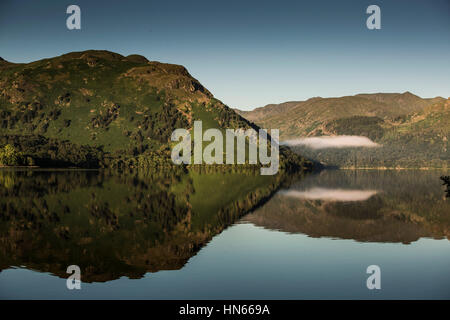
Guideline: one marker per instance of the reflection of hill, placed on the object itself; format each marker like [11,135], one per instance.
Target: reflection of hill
[115,225]
[409,206]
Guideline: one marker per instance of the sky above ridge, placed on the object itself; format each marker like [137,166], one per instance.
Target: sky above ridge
[252,53]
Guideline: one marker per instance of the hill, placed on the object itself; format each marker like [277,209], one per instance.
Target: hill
[412,131]
[101,109]
[308,118]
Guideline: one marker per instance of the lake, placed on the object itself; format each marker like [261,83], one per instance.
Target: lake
[197,235]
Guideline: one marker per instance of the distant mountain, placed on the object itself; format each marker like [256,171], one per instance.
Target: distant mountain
[99,108]
[413,132]
[309,118]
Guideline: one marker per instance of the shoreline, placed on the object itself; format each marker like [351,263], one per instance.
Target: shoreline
[324,168]
[392,168]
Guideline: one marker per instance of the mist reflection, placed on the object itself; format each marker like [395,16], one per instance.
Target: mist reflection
[330,194]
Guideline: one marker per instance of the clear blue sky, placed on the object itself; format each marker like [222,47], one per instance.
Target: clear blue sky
[251,53]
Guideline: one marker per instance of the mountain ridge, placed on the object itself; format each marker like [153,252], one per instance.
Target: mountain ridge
[364,104]
[413,131]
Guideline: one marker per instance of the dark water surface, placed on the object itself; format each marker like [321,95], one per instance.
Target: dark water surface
[179,236]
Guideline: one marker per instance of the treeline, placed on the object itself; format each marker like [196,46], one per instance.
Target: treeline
[389,156]
[37,150]
[50,152]
[357,125]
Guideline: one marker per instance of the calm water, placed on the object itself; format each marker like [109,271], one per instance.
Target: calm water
[169,237]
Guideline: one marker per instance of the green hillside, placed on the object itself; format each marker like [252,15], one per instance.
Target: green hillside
[412,132]
[101,109]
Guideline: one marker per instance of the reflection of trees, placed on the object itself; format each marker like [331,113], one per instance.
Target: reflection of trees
[110,224]
[36,184]
[409,206]
[371,208]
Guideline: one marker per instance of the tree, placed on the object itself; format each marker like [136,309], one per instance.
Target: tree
[9,156]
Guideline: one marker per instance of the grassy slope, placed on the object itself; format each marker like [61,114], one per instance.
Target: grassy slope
[127,106]
[82,86]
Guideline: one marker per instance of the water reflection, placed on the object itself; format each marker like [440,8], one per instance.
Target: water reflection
[115,225]
[346,204]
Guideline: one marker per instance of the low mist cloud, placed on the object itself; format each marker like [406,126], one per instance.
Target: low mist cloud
[330,194]
[332,142]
